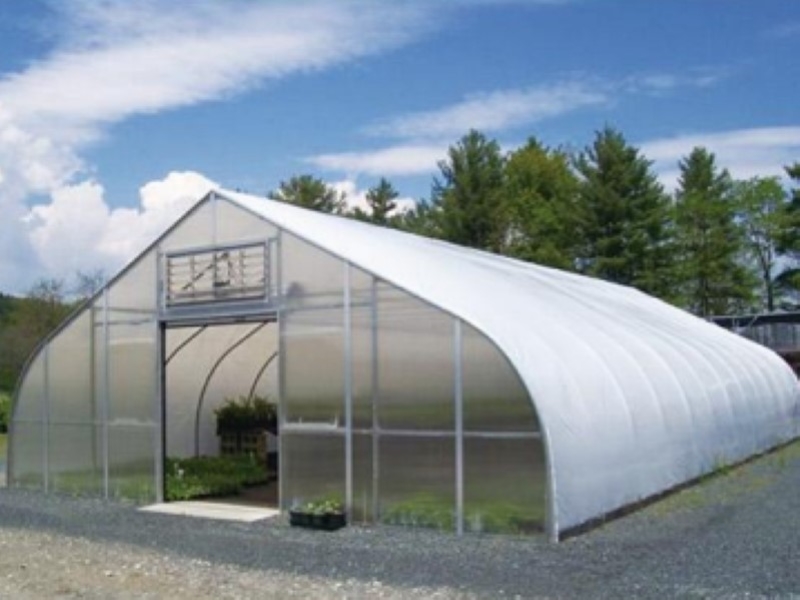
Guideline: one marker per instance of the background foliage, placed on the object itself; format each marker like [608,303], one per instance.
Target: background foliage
[712,246]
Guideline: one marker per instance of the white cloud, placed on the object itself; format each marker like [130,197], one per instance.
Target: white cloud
[744,152]
[404,159]
[77,230]
[494,111]
[788,29]
[428,134]
[121,60]
[112,59]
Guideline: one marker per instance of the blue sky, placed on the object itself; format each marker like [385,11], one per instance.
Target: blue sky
[116,114]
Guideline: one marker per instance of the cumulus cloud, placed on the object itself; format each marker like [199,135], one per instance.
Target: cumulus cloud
[77,230]
[745,153]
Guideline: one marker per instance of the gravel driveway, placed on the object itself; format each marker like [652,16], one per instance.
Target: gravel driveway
[735,536]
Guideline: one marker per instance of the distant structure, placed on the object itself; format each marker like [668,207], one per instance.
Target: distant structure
[779,331]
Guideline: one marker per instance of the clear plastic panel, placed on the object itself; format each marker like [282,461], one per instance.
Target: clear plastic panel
[75,459]
[504,485]
[195,231]
[236,225]
[70,365]
[313,365]
[132,372]
[27,453]
[313,468]
[131,458]
[363,366]
[30,399]
[309,276]
[415,363]
[134,295]
[417,481]
[494,397]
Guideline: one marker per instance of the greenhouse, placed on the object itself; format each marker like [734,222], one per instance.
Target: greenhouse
[414,381]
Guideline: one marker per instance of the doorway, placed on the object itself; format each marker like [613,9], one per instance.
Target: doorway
[220,403]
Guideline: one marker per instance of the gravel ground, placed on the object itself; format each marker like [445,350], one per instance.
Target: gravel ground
[734,536]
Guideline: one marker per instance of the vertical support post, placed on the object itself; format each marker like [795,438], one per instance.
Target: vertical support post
[104,401]
[348,395]
[46,421]
[160,411]
[93,385]
[159,400]
[281,375]
[376,446]
[459,425]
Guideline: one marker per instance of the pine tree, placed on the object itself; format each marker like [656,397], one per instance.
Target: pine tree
[381,200]
[625,233]
[465,200]
[309,192]
[540,195]
[712,281]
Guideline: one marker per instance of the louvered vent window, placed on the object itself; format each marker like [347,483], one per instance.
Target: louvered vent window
[217,275]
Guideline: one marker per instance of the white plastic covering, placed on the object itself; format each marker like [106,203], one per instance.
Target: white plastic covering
[634,396]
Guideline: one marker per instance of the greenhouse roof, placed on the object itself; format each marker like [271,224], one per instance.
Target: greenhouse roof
[634,395]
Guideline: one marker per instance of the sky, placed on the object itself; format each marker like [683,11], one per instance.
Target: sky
[117,115]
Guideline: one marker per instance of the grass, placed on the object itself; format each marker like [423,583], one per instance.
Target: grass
[728,481]
[3,443]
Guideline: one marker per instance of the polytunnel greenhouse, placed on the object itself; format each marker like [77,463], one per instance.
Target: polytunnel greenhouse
[418,382]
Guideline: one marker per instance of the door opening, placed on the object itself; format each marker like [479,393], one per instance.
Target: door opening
[220,404]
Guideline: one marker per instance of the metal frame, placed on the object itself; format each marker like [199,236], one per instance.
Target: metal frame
[255,310]
[46,422]
[348,393]
[458,399]
[106,390]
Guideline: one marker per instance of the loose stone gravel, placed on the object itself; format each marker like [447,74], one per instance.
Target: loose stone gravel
[734,536]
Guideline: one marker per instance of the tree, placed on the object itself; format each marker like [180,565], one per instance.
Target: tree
[88,283]
[788,281]
[30,320]
[540,195]
[381,199]
[763,218]
[708,244]
[309,192]
[422,220]
[624,216]
[466,197]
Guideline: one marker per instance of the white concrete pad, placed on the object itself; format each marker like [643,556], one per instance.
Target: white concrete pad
[213,510]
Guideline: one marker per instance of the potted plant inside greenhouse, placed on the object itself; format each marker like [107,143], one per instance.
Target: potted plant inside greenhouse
[326,514]
[243,424]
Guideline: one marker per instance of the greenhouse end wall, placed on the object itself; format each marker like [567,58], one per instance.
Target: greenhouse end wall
[396,408]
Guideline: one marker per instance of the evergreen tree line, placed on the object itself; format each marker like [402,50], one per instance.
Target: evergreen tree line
[714,246]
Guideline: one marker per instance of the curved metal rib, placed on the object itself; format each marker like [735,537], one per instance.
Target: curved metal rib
[185,343]
[259,374]
[222,357]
